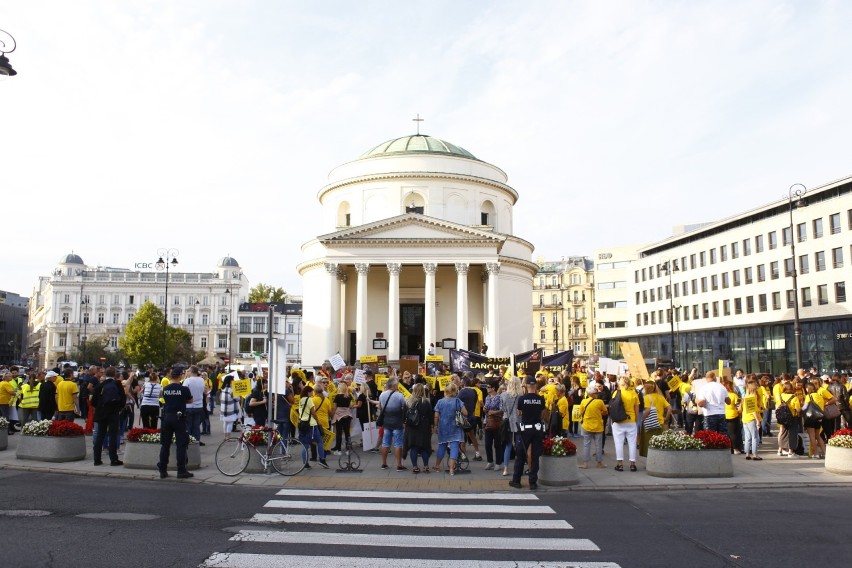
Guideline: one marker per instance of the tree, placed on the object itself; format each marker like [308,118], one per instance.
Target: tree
[263,293]
[142,341]
[93,349]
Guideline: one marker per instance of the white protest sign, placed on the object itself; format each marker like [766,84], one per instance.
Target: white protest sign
[360,377]
[337,361]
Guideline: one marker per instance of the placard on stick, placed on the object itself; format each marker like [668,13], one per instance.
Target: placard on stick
[635,362]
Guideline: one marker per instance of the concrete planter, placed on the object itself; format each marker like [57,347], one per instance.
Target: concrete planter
[4,439]
[558,471]
[51,449]
[689,463]
[838,460]
[143,455]
[254,465]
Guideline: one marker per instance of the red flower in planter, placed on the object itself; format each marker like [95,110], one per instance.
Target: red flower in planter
[256,436]
[713,440]
[64,428]
[842,432]
[136,433]
[559,446]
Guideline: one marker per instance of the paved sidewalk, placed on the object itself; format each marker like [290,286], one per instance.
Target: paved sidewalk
[772,472]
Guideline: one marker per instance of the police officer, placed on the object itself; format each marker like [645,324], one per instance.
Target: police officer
[176,397]
[530,434]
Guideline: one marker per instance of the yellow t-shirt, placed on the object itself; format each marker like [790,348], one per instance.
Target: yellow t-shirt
[777,392]
[825,394]
[593,413]
[562,405]
[818,398]
[549,394]
[65,393]
[322,406]
[6,391]
[792,401]
[631,402]
[477,410]
[750,416]
[305,405]
[731,411]
[660,403]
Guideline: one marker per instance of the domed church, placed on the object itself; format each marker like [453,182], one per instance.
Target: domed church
[418,247]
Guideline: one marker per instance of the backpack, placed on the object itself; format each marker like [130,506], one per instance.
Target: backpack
[783,414]
[617,412]
[555,419]
[412,415]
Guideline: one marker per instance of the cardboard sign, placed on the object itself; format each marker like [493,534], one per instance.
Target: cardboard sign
[635,362]
[241,388]
[439,358]
[404,390]
[674,383]
[410,365]
[577,413]
[380,381]
[444,381]
[337,362]
[360,377]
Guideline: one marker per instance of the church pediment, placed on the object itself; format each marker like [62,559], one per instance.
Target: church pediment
[412,229]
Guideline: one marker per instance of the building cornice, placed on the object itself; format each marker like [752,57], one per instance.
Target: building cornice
[418,175]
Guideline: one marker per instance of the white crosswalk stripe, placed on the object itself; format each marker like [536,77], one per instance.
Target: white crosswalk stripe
[541,537]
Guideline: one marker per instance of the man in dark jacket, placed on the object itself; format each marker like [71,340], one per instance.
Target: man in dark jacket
[47,396]
[108,399]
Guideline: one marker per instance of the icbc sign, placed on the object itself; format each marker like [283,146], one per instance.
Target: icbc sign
[144,265]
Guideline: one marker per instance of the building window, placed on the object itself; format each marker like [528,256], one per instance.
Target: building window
[638,321]
[653,299]
[773,240]
[556,319]
[735,250]
[115,318]
[704,285]
[817,228]
[101,317]
[543,335]
[645,318]
[542,320]
[788,267]
[644,274]
[190,319]
[554,299]
[773,269]
[221,341]
[746,247]
[761,272]
[695,312]
[636,276]
[130,316]
[702,256]
[161,299]
[819,260]
[791,298]
[750,304]
[205,319]
[684,289]
[685,313]
[726,307]
[761,302]
[837,257]
[822,294]
[705,310]
[736,277]
[65,317]
[714,282]
[175,319]
[712,256]
[803,264]
[748,274]
[802,232]
[715,309]
[86,317]
[223,319]
[806,297]
[839,292]
[113,341]
[787,236]
[204,342]
[130,299]
[725,280]
[692,262]
[723,253]
[738,306]
[776,300]
[758,243]
[834,223]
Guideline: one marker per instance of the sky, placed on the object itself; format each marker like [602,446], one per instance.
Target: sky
[209,126]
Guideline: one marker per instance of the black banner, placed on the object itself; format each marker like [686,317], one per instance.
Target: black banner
[462,361]
[558,362]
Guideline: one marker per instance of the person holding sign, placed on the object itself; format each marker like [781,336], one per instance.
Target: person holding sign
[752,411]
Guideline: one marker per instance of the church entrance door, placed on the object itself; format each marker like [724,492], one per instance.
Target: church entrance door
[411,329]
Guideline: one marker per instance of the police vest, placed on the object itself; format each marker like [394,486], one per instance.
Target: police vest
[29,398]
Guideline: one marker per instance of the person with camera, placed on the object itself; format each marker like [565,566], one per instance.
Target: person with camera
[176,397]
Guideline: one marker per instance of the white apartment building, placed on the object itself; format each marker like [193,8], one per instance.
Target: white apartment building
[77,301]
[613,270]
[729,293]
[253,333]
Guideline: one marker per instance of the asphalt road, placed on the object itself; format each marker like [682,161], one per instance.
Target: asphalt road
[52,520]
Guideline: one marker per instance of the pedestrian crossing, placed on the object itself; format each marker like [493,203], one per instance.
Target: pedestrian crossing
[367,529]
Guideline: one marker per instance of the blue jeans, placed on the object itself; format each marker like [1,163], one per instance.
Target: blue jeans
[767,421]
[194,417]
[751,438]
[454,450]
[716,423]
[424,454]
[314,434]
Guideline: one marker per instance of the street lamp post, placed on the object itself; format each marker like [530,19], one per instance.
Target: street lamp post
[671,266]
[7,45]
[85,304]
[228,322]
[167,260]
[797,192]
[194,316]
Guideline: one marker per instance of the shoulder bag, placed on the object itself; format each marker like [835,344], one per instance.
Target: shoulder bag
[812,414]
[461,420]
[617,413]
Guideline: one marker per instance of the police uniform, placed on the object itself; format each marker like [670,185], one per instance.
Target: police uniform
[530,435]
[175,396]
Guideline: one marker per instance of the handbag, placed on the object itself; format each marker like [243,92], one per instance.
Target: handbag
[652,421]
[304,424]
[784,414]
[493,422]
[831,411]
[617,412]
[461,420]
[380,419]
[812,413]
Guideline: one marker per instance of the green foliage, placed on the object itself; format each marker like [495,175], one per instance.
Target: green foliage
[142,341]
[263,293]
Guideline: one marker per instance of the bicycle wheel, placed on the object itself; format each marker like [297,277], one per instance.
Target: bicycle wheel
[232,457]
[349,459]
[463,463]
[288,456]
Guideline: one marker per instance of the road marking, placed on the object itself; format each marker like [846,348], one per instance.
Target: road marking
[118,516]
[24,513]
[531,524]
[407,507]
[406,495]
[235,560]
[439,541]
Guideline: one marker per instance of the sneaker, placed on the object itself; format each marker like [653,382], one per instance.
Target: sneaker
[164,474]
[489,466]
[323,464]
[477,457]
[116,462]
[515,484]
[792,456]
[533,486]
[99,462]
[307,466]
[184,475]
[336,453]
[374,450]
[384,466]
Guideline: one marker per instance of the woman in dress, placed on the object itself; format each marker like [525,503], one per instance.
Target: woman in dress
[450,435]
[418,437]
[229,406]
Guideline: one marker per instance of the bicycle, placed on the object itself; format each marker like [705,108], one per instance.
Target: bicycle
[350,461]
[286,455]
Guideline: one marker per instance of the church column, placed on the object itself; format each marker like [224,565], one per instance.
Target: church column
[429,319]
[343,340]
[461,303]
[361,311]
[333,331]
[493,269]
[393,311]
[483,277]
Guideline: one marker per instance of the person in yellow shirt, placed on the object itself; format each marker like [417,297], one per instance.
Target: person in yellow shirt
[625,430]
[592,415]
[732,416]
[828,424]
[324,408]
[563,406]
[657,412]
[66,400]
[751,419]
[788,434]
[8,393]
[813,396]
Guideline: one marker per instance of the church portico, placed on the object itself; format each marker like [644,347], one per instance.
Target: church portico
[413,279]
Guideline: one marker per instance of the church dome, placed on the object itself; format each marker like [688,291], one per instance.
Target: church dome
[417,144]
[71,259]
[229,261]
